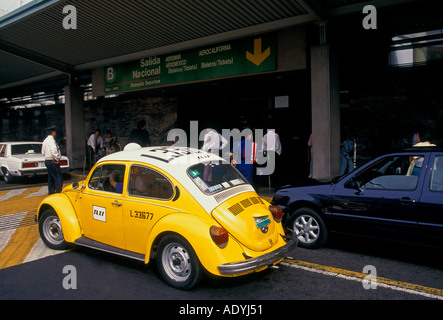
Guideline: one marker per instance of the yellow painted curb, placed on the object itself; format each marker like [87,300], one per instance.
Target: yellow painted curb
[358,275]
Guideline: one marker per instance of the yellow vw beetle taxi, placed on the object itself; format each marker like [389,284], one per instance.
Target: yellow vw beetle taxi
[186,209]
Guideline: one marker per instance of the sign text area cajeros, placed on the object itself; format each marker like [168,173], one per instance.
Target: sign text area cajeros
[251,55]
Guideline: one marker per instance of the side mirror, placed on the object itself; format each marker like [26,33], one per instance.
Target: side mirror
[353,184]
[76,185]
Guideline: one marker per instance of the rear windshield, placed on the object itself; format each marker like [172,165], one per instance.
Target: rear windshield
[26,148]
[215,177]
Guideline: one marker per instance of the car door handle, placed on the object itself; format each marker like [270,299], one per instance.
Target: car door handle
[116,204]
[406,201]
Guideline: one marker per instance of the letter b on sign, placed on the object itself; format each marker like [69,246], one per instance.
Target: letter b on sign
[110,74]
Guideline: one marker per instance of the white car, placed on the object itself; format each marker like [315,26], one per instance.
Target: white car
[18,159]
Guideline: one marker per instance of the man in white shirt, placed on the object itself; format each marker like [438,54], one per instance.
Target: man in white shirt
[51,152]
[271,142]
[92,148]
[272,147]
[213,142]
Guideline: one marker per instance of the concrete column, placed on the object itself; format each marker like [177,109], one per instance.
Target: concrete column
[325,98]
[75,125]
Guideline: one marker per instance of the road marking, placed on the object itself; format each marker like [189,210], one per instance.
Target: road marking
[357,276]
[19,245]
[12,220]
[40,250]
[43,191]
[19,236]
[11,194]
[6,232]
[18,230]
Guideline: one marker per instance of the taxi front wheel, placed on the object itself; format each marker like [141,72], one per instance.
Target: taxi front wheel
[177,263]
[51,231]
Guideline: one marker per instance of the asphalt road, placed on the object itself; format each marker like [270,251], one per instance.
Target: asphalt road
[343,270]
[323,274]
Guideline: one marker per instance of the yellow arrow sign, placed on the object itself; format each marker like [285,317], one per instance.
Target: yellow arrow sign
[258,56]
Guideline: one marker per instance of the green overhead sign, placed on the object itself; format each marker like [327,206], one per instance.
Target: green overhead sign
[243,56]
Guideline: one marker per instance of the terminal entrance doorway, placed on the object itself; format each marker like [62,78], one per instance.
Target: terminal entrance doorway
[280,102]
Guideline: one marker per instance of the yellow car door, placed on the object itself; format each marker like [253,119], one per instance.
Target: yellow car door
[149,196]
[102,205]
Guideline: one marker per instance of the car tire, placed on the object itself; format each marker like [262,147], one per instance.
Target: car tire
[177,263]
[50,229]
[310,229]
[7,176]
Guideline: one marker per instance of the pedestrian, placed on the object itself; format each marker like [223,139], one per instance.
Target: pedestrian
[92,148]
[346,156]
[51,152]
[425,141]
[415,138]
[310,160]
[271,142]
[111,143]
[100,150]
[346,152]
[243,156]
[213,142]
[272,149]
[140,135]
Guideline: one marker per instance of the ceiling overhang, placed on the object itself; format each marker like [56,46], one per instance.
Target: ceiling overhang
[34,43]
[35,46]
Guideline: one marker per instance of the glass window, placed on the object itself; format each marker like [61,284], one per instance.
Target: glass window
[398,172]
[413,49]
[108,177]
[26,148]
[214,177]
[146,182]
[2,150]
[437,175]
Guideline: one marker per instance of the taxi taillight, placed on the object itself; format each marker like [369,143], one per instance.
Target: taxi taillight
[220,236]
[277,213]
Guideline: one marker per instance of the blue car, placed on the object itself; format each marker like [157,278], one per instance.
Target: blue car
[398,196]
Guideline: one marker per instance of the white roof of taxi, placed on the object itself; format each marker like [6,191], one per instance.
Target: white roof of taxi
[175,161]
[165,157]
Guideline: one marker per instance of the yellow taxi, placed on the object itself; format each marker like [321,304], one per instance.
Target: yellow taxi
[186,209]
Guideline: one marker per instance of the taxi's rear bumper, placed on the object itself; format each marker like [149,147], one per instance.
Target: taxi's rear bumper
[260,262]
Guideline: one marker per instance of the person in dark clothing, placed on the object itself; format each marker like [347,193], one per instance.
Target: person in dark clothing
[140,135]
